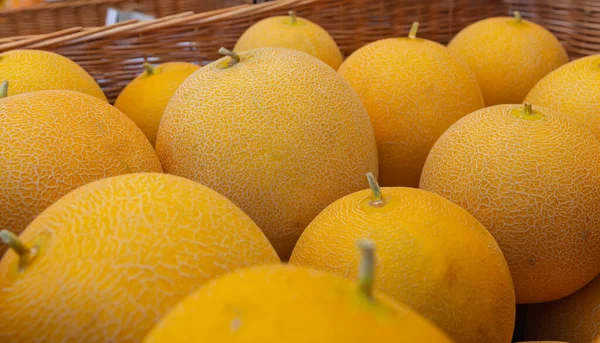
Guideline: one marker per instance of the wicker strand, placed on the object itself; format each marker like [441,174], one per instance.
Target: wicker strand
[114,55]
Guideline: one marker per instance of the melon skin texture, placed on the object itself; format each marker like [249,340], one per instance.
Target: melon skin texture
[145,98]
[280,134]
[273,304]
[29,70]
[431,255]
[574,318]
[297,33]
[508,56]
[52,142]
[533,180]
[573,90]
[116,254]
[413,90]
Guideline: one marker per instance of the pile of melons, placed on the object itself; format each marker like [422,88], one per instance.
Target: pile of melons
[407,192]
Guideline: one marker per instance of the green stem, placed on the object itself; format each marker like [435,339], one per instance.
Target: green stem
[4,90]
[518,16]
[14,243]
[527,109]
[292,17]
[150,70]
[413,30]
[378,200]
[366,267]
[235,58]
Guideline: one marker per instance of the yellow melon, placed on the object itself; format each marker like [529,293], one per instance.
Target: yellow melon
[532,178]
[274,304]
[54,141]
[29,70]
[109,259]
[145,98]
[433,256]
[574,318]
[413,90]
[508,55]
[291,32]
[274,130]
[573,90]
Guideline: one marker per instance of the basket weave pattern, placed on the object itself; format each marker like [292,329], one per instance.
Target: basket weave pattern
[576,23]
[114,54]
[50,17]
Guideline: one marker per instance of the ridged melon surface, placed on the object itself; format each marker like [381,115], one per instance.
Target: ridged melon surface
[431,254]
[274,304]
[145,98]
[294,33]
[508,55]
[574,318]
[29,70]
[413,90]
[54,141]
[573,90]
[113,256]
[532,178]
[279,133]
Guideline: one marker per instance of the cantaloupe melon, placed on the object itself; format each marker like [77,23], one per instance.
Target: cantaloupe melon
[109,259]
[509,55]
[291,32]
[413,90]
[54,141]
[145,98]
[574,318]
[532,178]
[432,255]
[275,130]
[274,304]
[573,90]
[30,70]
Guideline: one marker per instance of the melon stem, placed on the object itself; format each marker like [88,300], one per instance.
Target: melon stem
[14,243]
[527,109]
[413,30]
[518,16]
[376,190]
[4,89]
[292,17]
[149,68]
[235,58]
[366,267]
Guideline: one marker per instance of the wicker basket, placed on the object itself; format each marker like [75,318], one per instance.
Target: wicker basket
[114,54]
[575,22]
[55,16]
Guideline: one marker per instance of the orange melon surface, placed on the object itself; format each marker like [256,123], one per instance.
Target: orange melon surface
[279,133]
[145,98]
[574,318]
[273,304]
[532,178]
[432,255]
[30,70]
[413,90]
[573,90]
[52,142]
[110,258]
[291,32]
[509,55]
